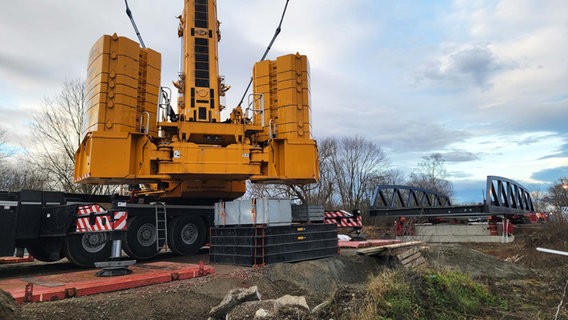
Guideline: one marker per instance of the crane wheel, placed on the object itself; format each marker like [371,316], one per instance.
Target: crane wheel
[84,249]
[139,241]
[186,235]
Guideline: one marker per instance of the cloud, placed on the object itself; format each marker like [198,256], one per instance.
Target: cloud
[24,73]
[552,174]
[532,139]
[459,175]
[470,65]
[459,156]
[469,191]
[560,152]
[419,136]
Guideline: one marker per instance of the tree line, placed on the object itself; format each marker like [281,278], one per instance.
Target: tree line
[350,167]
[56,134]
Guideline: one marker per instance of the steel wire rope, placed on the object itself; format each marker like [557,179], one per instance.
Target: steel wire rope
[276,33]
[129,13]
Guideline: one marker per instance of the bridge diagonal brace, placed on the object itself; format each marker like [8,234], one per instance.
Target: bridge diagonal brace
[503,197]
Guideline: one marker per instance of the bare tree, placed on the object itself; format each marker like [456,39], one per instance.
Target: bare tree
[16,175]
[539,200]
[16,178]
[5,150]
[431,174]
[322,192]
[319,193]
[357,166]
[298,193]
[394,177]
[4,153]
[349,170]
[558,195]
[57,133]
[262,190]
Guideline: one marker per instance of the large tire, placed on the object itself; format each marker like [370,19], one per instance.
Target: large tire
[140,238]
[186,235]
[84,249]
[47,250]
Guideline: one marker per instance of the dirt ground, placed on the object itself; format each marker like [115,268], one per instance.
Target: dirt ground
[532,282]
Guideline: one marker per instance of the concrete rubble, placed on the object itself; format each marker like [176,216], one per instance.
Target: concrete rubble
[240,303]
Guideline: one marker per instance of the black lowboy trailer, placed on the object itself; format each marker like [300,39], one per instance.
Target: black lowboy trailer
[45,224]
[55,225]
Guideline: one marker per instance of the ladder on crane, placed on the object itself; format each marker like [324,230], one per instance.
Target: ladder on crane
[161,225]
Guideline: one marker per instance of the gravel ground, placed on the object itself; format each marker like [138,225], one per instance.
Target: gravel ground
[534,288]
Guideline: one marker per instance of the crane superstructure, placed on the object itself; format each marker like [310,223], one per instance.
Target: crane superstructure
[132,135]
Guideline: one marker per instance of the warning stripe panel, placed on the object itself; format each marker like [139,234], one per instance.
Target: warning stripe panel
[120,220]
[342,218]
[101,223]
[90,208]
[80,225]
[339,213]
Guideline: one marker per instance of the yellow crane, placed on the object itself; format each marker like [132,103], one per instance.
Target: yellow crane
[182,161]
[132,135]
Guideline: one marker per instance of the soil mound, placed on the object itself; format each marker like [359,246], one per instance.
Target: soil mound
[9,309]
[317,279]
[475,263]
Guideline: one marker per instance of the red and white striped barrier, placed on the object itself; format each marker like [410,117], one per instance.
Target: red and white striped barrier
[343,219]
[102,222]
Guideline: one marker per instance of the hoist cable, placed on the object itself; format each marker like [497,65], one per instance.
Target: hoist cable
[129,13]
[276,33]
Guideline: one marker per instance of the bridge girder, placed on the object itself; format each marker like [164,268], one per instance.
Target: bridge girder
[503,196]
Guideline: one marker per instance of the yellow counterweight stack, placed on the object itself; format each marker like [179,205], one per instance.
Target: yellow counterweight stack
[122,94]
[284,86]
[123,83]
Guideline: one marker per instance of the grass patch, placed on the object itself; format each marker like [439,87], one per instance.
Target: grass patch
[431,295]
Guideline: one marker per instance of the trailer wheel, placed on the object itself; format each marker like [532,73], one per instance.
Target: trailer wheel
[140,238]
[46,250]
[186,235]
[84,249]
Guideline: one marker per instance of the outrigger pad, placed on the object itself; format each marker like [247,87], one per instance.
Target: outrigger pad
[113,268]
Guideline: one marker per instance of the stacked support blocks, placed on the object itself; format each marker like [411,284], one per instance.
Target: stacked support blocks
[260,245]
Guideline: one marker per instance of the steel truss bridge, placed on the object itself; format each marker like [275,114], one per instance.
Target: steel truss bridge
[502,197]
